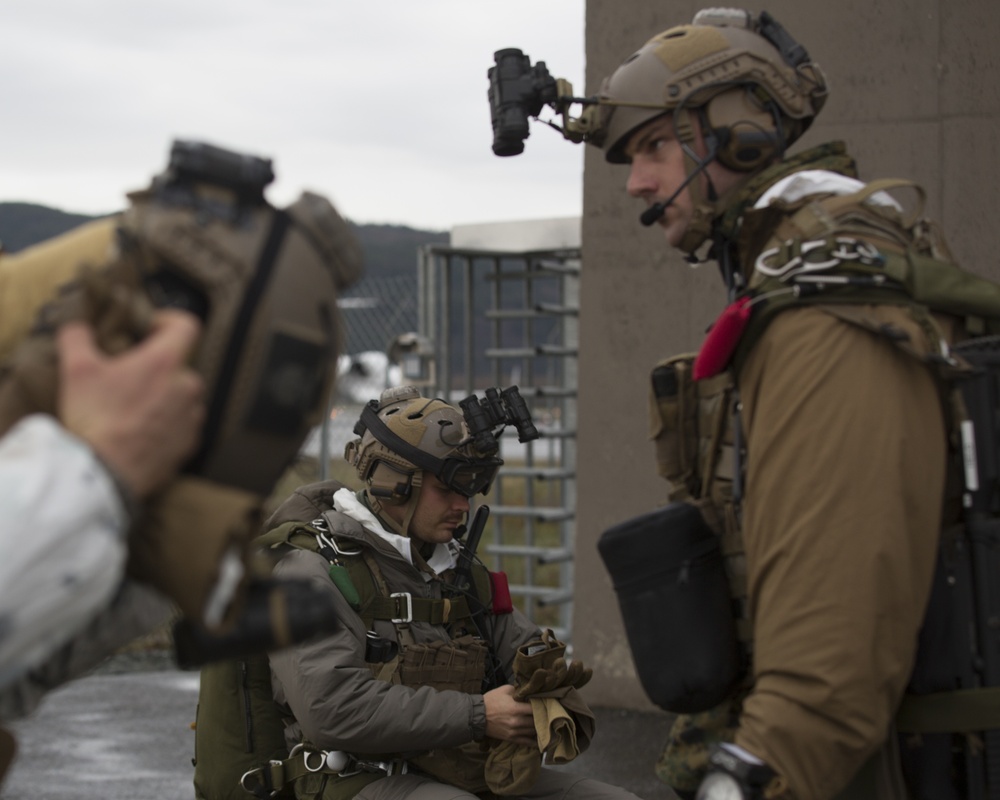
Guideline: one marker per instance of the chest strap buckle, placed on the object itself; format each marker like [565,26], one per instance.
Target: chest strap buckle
[407,614]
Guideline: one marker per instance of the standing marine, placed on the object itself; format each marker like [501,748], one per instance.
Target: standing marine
[817,430]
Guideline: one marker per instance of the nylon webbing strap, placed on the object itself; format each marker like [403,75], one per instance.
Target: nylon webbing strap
[267,781]
[417,609]
[270,779]
[961,711]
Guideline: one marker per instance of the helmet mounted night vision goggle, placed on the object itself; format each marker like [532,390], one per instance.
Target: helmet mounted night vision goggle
[683,67]
[471,462]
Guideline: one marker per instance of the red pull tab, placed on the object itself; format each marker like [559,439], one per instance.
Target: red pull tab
[502,604]
[721,340]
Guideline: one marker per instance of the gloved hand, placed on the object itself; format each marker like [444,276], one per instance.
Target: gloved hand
[555,680]
[564,724]
[535,655]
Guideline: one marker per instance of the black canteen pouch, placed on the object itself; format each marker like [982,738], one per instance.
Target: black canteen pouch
[667,570]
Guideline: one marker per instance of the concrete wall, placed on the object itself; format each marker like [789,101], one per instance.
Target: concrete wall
[915,90]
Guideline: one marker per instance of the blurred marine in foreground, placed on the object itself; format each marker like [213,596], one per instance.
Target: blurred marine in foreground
[159,371]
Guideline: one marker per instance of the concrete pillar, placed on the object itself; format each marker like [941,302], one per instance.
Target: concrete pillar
[915,91]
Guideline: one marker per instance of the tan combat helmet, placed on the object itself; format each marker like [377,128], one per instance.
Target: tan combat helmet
[265,282]
[753,90]
[402,435]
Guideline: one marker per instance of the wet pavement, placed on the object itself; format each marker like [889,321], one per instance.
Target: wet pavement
[127,735]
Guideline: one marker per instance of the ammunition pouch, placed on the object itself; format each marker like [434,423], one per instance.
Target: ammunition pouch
[459,665]
[668,574]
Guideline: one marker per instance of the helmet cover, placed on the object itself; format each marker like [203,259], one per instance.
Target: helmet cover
[686,66]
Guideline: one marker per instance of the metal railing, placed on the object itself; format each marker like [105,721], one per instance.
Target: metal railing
[492,318]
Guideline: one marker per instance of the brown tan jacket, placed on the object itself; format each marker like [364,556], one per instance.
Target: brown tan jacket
[31,277]
[846,463]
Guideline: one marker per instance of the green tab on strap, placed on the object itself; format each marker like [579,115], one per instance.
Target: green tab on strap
[961,711]
[340,575]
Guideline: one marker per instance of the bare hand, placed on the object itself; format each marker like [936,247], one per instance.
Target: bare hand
[142,411]
[508,719]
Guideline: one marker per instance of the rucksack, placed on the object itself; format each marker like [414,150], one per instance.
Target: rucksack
[238,726]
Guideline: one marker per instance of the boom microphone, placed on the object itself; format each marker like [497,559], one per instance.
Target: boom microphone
[652,214]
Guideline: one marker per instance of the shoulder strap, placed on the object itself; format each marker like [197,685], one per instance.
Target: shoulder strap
[298,535]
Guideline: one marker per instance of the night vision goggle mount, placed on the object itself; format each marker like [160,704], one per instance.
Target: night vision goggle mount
[485,419]
[498,408]
[195,163]
[193,169]
[519,90]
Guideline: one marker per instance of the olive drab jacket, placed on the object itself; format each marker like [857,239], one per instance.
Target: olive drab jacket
[832,528]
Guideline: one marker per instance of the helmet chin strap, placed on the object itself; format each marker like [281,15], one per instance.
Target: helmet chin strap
[704,208]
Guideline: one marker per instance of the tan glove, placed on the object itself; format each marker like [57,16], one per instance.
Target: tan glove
[555,730]
[544,679]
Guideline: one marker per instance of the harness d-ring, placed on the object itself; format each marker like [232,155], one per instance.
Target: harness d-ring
[305,760]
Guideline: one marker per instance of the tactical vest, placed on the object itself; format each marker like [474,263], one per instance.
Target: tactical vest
[240,745]
[836,253]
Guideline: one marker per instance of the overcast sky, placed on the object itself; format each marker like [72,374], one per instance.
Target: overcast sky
[378,104]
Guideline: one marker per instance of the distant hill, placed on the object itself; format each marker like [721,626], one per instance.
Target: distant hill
[25,224]
[390,250]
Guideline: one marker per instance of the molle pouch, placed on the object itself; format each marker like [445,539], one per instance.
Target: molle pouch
[537,654]
[673,414]
[459,665]
[667,570]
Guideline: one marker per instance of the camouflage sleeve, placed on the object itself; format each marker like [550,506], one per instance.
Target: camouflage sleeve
[64,541]
[845,477]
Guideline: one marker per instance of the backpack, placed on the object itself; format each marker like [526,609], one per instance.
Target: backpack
[238,726]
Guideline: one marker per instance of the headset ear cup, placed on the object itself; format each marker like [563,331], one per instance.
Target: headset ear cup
[746,131]
[747,147]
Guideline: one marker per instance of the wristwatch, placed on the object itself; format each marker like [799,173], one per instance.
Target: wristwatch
[734,774]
